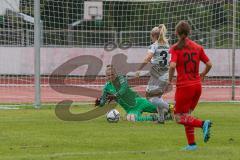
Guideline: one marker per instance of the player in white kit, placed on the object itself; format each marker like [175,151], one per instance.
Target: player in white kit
[159,58]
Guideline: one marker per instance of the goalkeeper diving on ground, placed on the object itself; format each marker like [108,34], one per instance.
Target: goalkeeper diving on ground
[117,89]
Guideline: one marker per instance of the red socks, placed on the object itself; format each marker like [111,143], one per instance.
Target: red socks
[188,120]
[190,123]
[190,134]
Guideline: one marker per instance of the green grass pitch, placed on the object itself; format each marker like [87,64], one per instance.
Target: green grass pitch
[30,134]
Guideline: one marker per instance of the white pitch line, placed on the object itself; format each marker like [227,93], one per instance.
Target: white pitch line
[7,108]
[66,154]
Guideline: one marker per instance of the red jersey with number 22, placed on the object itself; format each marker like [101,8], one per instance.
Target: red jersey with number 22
[187,62]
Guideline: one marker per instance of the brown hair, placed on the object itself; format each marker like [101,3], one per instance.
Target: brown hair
[182,29]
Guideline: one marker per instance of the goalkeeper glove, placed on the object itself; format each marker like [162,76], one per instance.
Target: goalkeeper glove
[111,97]
[97,102]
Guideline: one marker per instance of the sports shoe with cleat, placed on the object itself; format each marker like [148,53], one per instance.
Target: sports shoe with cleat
[170,114]
[161,119]
[167,116]
[190,148]
[206,130]
[171,108]
[157,119]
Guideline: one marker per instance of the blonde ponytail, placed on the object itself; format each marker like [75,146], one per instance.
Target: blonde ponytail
[162,36]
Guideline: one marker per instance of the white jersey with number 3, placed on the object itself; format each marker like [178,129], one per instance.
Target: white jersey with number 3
[160,59]
[161,55]
[159,70]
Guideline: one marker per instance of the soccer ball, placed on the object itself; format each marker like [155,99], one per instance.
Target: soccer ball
[113,116]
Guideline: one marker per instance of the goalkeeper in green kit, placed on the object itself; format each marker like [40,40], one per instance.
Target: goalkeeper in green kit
[116,88]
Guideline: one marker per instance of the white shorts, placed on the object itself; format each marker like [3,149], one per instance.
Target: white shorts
[157,85]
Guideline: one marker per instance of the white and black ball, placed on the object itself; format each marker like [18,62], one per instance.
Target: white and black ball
[113,116]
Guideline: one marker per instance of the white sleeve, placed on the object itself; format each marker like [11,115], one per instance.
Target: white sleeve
[151,49]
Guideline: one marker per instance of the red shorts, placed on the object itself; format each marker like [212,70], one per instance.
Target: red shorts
[186,98]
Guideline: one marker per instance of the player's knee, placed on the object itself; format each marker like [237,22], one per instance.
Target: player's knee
[131,117]
[154,101]
[180,117]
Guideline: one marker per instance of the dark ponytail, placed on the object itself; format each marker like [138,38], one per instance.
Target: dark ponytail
[183,29]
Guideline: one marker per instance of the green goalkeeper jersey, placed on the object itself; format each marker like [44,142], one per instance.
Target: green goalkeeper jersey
[126,97]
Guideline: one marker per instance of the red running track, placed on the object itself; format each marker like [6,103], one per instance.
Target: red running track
[19,89]
[20,95]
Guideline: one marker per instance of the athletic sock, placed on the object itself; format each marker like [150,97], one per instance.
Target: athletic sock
[190,135]
[188,120]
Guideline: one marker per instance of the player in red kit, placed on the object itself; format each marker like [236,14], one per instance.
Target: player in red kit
[185,58]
